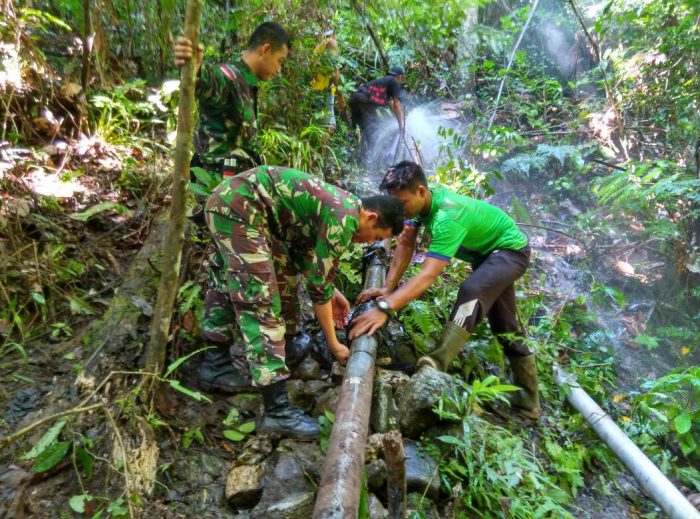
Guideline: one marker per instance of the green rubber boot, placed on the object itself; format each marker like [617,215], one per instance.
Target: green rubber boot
[451,341]
[527,400]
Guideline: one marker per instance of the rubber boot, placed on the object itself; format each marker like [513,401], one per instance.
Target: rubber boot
[283,418]
[527,400]
[451,341]
[217,372]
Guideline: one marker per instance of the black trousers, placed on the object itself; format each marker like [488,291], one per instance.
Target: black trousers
[489,292]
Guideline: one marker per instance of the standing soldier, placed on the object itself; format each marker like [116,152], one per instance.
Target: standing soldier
[269,224]
[226,143]
[471,230]
[227,95]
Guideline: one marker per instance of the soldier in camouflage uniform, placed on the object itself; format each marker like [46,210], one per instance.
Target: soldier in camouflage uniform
[227,95]
[226,143]
[269,224]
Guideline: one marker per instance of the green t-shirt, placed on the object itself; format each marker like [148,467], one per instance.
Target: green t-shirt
[465,228]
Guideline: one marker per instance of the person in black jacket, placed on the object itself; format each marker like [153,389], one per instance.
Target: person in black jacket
[375,94]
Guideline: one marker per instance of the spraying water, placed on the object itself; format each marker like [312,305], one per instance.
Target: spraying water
[422,142]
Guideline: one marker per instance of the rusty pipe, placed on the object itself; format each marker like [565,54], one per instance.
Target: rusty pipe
[338,494]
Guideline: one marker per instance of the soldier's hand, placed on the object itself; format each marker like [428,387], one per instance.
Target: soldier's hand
[341,353]
[182,50]
[372,293]
[341,309]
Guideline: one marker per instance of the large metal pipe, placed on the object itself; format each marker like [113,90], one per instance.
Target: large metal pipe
[338,494]
[652,480]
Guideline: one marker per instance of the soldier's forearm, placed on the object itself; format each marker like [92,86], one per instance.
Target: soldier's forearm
[324,314]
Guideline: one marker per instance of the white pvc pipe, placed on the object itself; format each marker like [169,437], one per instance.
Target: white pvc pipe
[652,480]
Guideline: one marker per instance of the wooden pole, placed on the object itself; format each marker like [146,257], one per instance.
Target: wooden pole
[172,251]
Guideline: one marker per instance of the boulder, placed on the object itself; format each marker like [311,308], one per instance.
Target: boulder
[417,398]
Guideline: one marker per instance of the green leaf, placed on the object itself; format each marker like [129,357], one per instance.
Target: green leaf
[233,435]
[51,456]
[78,306]
[683,422]
[247,427]
[85,460]
[84,216]
[197,189]
[39,298]
[179,361]
[77,503]
[45,440]
[175,384]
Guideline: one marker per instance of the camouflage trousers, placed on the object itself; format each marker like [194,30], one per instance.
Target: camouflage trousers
[252,283]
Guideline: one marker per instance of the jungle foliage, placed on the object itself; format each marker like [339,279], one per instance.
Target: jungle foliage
[87,92]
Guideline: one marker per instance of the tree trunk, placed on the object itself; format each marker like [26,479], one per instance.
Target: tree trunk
[87,47]
[172,252]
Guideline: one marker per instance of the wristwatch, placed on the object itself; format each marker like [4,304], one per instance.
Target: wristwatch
[384,306]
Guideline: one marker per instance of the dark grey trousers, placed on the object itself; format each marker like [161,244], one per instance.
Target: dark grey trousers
[489,292]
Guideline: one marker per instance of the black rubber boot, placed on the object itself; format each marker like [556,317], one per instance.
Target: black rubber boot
[283,418]
[217,373]
[296,347]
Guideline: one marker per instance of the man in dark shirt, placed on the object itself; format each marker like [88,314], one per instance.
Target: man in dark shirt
[375,94]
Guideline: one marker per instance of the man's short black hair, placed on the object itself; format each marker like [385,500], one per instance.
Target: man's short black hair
[272,33]
[404,175]
[389,209]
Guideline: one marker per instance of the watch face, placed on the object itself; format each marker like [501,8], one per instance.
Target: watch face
[383,305]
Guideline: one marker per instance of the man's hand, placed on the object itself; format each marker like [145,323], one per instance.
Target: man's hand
[341,309]
[372,293]
[182,49]
[367,323]
[340,352]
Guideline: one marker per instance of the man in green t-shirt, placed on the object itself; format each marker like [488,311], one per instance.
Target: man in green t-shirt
[473,231]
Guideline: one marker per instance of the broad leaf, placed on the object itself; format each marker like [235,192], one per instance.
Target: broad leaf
[45,440]
[233,435]
[683,422]
[51,456]
[247,427]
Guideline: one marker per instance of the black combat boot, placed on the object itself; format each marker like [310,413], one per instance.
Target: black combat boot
[283,418]
[296,347]
[217,373]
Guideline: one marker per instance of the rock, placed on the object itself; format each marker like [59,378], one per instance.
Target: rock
[308,454]
[327,402]
[315,388]
[375,508]
[376,474]
[244,485]
[420,506]
[421,472]
[211,464]
[384,415]
[288,493]
[248,404]
[417,398]
[337,373]
[255,451]
[308,369]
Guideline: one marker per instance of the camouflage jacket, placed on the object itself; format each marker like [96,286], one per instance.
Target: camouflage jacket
[315,221]
[228,104]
